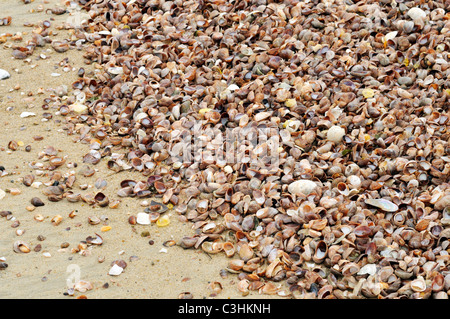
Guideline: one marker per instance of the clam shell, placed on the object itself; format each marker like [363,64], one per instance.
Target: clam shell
[143,219]
[383,204]
[416,13]
[302,186]
[418,285]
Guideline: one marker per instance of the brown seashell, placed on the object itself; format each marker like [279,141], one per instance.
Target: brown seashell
[321,252]
[132,220]
[56,220]
[229,249]
[101,199]
[37,202]
[93,220]
[28,179]
[188,242]
[236,264]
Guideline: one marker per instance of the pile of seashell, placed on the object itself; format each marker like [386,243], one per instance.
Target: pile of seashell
[358,92]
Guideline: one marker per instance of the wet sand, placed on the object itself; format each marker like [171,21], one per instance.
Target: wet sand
[153,274]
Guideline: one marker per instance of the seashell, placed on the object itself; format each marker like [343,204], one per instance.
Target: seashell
[245,252]
[335,134]
[383,204]
[101,199]
[304,187]
[442,203]
[27,114]
[321,252]
[188,242]
[343,188]
[368,269]
[350,269]
[56,220]
[60,46]
[418,285]
[82,286]
[416,13]
[79,108]
[163,221]
[438,283]
[97,240]
[28,179]
[4,74]
[228,249]
[115,270]
[269,289]
[362,231]
[93,220]
[143,219]
[73,198]
[210,248]
[37,202]
[235,264]
[21,247]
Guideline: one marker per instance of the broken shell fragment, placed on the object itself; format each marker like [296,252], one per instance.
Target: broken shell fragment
[94,240]
[115,270]
[383,204]
[83,286]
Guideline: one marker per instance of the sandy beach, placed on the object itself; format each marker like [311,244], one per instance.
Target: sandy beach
[224,149]
[150,272]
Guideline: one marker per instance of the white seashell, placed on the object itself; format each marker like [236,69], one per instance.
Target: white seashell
[335,134]
[368,269]
[104,32]
[261,116]
[354,181]
[115,270]
[79,108]
[140,116]
[27,114]
[115,32]
[4,74]
[387,252]
[115,70]
[2,194]
[143,219]
[416,13]
[418,284]
[303,186]
[442,203]
[36,184]
[390,35]
[233,87]
[383,204]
